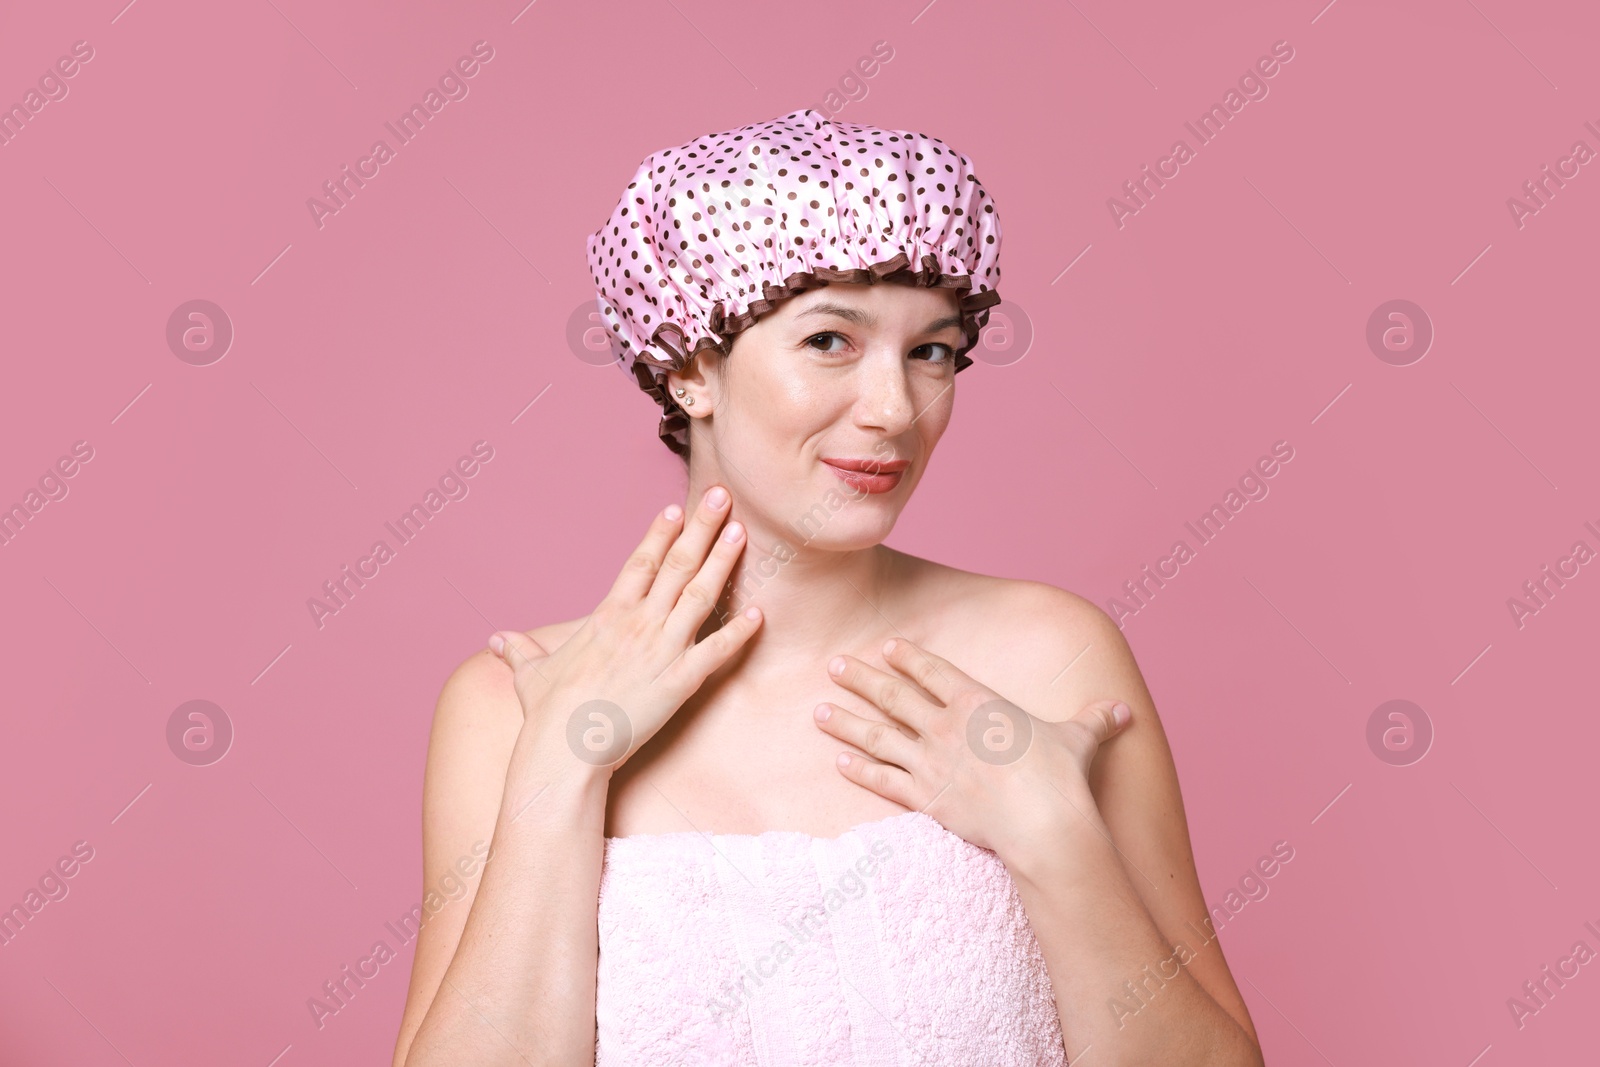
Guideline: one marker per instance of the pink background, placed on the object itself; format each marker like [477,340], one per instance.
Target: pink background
[369,354]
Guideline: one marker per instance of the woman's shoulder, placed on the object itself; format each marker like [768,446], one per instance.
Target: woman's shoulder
[480,687]
[1028,639]
[1004,605]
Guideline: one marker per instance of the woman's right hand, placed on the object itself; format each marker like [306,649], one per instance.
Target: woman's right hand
[635,660]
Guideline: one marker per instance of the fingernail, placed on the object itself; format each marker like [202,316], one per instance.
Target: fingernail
[497,644]
[888,647]
[836,665]
[673,513]
[1121,713]
[844,759]
[717,497]
[733,532]
[822,712]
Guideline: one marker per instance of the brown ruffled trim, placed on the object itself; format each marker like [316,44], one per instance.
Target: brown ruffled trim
[669,337]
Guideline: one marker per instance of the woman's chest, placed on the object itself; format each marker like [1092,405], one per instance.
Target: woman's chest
[746,754]
[741,762]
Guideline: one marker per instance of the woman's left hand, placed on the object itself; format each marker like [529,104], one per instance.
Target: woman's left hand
[990,772]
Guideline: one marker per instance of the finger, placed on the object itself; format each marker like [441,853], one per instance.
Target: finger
[889,782]
[881,740]
[517,650]
[1102,720]
[688,551]
[938,676]
[889,694]
[700,659]
[634,581]
[700,596]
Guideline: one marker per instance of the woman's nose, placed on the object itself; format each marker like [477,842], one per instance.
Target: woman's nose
[885,402]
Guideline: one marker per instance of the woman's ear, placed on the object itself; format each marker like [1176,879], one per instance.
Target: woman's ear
[694,386]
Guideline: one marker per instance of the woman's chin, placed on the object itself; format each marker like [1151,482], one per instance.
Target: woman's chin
[851,530]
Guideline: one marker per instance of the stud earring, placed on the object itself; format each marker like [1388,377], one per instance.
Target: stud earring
[688,401]
[678,391]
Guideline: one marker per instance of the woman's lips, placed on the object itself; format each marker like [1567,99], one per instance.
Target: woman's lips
[866,480]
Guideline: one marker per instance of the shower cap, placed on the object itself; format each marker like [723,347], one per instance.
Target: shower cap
[711,235]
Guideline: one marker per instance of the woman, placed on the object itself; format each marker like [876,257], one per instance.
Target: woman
[767,803]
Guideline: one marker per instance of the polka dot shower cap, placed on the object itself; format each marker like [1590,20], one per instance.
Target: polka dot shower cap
[711,235]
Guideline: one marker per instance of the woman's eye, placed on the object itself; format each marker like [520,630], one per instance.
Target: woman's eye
[933,353]
[830,351]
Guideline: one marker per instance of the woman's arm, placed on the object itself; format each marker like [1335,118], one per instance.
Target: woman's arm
[1145,981]
[505,974]
[514,983]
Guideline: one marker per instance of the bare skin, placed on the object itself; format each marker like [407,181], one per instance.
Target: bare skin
[506,974]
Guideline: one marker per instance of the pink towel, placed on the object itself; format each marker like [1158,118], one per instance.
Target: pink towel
[895,943]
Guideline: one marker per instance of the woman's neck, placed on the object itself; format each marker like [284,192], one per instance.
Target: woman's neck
[815,602]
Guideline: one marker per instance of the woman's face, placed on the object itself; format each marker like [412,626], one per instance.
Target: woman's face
[839,376]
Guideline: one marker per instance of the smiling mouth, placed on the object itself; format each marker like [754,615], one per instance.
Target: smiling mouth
[870,466]
[869,476]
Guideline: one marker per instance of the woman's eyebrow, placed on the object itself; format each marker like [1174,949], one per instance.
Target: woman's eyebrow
[849,314]
[863,318]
